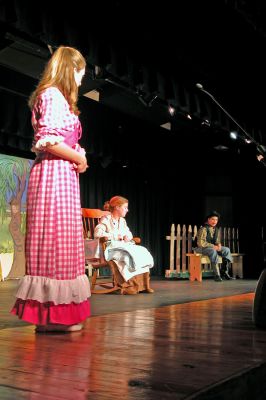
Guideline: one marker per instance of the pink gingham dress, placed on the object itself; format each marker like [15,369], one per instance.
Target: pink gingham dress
[55,288]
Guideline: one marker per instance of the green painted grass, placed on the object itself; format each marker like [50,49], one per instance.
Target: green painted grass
[6,241]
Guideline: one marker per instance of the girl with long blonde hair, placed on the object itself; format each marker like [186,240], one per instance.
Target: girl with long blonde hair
[54,293]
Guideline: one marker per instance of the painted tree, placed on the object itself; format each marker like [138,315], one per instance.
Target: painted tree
[13,178]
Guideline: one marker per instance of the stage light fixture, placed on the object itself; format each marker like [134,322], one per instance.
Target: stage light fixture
[171,110]
[233,135]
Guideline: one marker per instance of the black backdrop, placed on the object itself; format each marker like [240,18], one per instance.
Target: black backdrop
[167,177]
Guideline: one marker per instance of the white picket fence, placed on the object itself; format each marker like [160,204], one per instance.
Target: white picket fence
[180,240]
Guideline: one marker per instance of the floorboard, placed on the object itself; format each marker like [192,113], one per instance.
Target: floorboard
[189,350]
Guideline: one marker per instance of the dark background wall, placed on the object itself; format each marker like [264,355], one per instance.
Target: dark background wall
[167,177]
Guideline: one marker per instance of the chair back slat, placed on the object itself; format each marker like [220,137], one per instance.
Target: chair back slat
[102,278]
[91,218]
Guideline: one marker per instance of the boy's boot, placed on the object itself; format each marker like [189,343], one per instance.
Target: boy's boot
[225,270]
[216,270]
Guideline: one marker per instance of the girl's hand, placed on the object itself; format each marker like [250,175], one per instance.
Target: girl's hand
[82,166]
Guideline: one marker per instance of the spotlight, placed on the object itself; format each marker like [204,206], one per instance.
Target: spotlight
[171,110]
[233,135]
[205,122]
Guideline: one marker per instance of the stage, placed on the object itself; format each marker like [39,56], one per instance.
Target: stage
[185,341]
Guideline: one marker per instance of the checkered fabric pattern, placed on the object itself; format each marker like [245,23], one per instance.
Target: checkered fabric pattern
[54,239]
[51,116]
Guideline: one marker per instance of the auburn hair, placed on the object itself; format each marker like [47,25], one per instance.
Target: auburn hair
[117,201]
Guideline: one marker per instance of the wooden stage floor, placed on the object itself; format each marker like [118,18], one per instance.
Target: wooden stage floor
[142,348]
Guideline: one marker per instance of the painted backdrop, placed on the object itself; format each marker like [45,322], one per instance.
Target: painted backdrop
[14,174]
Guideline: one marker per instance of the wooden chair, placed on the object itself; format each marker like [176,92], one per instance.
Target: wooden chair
[94,253]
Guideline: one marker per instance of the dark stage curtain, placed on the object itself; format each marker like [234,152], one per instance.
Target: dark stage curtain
[165,176]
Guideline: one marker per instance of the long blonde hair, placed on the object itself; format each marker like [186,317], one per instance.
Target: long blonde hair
[59,72]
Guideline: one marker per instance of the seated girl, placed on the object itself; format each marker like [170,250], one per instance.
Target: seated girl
[131,263]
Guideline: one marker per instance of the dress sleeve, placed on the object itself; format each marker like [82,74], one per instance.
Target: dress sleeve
[48,118]
[106,229]
[101,230]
